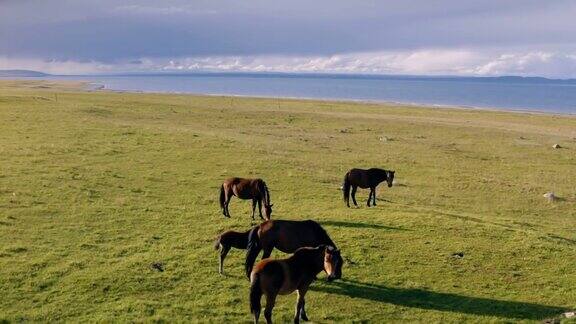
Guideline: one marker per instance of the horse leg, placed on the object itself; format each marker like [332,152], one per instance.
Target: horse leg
[223,253]
[228,198]
[270,300]
[369,197]
[300,311]
[374,196]
[354,188]
[253,207]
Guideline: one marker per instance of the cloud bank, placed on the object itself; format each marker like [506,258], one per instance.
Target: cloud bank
[423,62]
[447,37]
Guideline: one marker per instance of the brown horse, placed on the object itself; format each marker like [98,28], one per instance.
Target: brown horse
[254,189]
[287,236]
[282,277]
[364,179]
[228,240]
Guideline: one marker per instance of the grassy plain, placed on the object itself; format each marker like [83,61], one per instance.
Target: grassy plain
[97,186]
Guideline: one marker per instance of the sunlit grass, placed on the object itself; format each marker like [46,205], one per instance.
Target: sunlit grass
[96,187]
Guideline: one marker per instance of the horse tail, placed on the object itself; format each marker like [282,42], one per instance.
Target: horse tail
[346,188]
[217,244]
[255,295]
[253,249]
[222,197]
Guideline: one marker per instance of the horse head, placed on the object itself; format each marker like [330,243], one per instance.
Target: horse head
[390,178]
[333,263]
[268,210]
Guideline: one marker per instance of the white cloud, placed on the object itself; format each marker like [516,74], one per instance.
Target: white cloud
[533,64]
[422,62]
[419,62]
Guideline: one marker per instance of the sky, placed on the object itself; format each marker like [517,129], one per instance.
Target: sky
[414,37]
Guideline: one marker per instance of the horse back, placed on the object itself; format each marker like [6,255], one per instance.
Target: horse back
[366,178]
[273,275]
[288,236]
[234,239]
[244,188]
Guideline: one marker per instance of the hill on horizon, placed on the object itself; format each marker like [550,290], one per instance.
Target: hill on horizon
[21,73]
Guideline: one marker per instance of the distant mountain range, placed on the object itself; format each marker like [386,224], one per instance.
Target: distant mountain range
[515,79]
[21,73]
[508,79]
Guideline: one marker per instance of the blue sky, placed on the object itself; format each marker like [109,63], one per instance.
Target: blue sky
[431,37]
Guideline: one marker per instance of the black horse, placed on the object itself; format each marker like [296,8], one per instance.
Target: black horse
[364,179]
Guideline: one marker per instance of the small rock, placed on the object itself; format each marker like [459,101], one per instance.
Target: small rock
[458,255]
[385,139]
[556,146]
[550,196]
[569,314]
[157,266]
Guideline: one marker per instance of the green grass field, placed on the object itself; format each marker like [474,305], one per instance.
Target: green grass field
[95,187]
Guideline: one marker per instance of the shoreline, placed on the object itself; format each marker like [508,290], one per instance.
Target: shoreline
[100,87]
[95,86]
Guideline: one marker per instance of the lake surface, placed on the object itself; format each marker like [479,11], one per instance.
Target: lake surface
[558,96]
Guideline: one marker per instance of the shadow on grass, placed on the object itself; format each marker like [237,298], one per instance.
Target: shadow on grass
[447,302]
[360,225]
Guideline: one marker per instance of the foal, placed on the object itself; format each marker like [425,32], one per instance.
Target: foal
[284,276]
[228,240]
[254,189]
[364,179]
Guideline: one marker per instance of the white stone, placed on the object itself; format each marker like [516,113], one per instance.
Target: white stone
[550,196]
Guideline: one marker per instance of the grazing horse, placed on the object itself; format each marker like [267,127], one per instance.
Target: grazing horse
[281,277]
[228,240]
[364,179]
[287,236]
[254,189]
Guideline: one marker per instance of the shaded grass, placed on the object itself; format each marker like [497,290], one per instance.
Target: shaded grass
[98,188]
[423,299]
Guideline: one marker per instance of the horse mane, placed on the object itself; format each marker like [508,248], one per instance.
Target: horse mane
[302,257]
[267,197]
[321,232]
[382,173]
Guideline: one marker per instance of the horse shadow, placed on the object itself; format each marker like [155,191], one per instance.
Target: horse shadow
[360,225]
[448,302]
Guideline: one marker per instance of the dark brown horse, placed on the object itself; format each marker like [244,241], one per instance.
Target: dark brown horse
[364,179]
[282,277]
[228,240]
[254,189]
[284,235]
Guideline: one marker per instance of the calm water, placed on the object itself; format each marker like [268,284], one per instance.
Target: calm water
[508,93]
